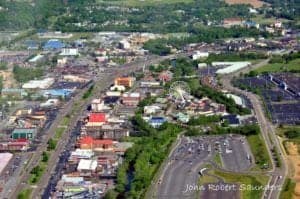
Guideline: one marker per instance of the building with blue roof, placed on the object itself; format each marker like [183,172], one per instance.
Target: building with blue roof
[156,121]
[53,44]
[57,93]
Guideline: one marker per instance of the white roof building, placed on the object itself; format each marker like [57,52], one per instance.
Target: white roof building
[82,153]
[90,165]
[69,52]
[151,109]
[50,102]
[113,93]
[230,67]
[198,55]
[202,65]
[41,84]
[237,99]
[117,88]
[72,179]
[5,158]
[36,58]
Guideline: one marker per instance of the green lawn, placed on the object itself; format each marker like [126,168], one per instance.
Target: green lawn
[288,189]
[263,20]
[59,132]
[279,67]
[245,181]
[143,2]
[24,194]
[217,159]
[259,150]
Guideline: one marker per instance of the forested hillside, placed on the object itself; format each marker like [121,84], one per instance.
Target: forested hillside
[128,15]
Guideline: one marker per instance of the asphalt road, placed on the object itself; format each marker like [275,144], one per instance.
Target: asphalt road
[191,155]
[267,130]
[102,82]
[182,170]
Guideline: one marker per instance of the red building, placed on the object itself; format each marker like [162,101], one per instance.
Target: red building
[96,119]
[88,142]
[15,145]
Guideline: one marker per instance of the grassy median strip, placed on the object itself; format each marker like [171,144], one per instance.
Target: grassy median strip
[259,151]
[251,186]
[218,160]
[25,194]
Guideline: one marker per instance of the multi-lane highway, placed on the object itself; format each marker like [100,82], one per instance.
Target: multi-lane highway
[172,180]
[267,129]
[102,82]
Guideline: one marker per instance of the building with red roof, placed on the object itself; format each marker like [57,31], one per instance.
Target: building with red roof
[96,119]
[88,142]
[15,145]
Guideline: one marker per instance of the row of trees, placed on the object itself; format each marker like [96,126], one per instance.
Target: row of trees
[243,56]
[219,97]
[246,130]
[285,59]
[144,158]
[202,34]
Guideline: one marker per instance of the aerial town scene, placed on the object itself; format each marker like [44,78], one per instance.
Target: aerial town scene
[154,99]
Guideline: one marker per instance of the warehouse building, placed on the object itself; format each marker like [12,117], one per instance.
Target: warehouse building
[25,133]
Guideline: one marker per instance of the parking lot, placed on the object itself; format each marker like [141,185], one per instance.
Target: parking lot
[192,154]
[282,104]
[236,154]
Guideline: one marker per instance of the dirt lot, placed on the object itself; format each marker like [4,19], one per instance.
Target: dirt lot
[294,162]
[254,3]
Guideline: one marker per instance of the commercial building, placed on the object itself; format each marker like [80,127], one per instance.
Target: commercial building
[124,44]
[148,110]
[98,105]
[147,84]
[131,99]
[50,103]
[79,154]
[230,67]
[156,121]
[69,52]
[39,84]
[53,44]
[88,142]
[5,158]
[96,120]
[37,58]
[199,55]
[87,167]
[15,145]
[56,93]
[25,133]
[124,81]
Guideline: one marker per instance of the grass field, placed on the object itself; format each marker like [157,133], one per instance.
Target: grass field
[143,2]
[244,181]
[288,189]
[261,19]
[259,150]
[254,3]
[279,67]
